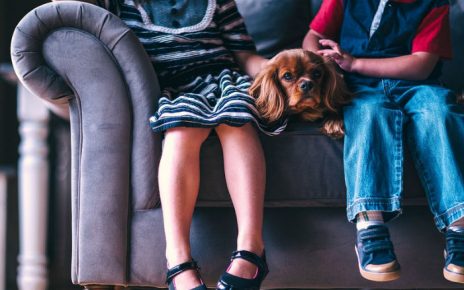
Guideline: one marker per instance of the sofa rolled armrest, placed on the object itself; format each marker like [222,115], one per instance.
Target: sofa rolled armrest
[82,55]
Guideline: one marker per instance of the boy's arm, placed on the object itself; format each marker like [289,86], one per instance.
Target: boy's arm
[311,41]
[415,66]
[250,62]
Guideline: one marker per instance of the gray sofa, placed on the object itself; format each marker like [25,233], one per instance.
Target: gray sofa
[78,54]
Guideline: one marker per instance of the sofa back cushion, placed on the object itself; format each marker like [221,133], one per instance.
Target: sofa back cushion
[277,24]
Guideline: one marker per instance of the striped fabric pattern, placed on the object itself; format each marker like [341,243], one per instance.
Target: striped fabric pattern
[210,101]
[179,58]
[202,84]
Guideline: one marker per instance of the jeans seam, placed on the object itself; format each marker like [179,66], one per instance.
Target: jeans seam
[399,152]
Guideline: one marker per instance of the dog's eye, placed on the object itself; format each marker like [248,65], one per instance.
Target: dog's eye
[288,76]
[316,74]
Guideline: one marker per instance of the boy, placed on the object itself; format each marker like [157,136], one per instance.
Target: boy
[389,51]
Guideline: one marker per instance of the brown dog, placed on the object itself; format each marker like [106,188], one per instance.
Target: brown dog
[300,82]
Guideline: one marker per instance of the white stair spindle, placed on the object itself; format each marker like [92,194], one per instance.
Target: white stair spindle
[33,191]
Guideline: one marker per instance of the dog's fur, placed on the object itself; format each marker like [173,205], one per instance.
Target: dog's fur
[300,82]
[460,98]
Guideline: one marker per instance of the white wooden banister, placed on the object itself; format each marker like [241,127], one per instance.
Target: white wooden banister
[33,176]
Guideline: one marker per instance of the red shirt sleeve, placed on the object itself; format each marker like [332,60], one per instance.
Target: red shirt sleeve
[433,34]
[328,21]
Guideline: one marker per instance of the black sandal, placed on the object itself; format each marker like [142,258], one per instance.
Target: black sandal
[176,270]
[229,282]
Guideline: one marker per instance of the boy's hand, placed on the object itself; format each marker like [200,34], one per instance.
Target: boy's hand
[344,60]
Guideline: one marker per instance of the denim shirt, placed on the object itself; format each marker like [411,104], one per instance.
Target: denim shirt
[396,31]
[175,14]
[171,16]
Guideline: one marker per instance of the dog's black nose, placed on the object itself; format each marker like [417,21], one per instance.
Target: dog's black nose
[306,86]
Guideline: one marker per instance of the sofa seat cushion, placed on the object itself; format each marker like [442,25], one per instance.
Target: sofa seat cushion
[304,168]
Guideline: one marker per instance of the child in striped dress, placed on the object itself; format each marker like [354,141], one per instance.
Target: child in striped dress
[203,57]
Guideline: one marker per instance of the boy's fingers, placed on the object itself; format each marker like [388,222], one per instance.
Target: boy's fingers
[328,42]
[330,53]
[331,43]
[324,51]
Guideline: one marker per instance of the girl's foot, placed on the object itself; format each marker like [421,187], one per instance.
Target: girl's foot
[247,275]
[185,276]
[242,268]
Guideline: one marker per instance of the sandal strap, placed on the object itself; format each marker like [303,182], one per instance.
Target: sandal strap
[229,281]
[251,257]
[176,270]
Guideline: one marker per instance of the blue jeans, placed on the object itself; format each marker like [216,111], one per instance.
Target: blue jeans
[383,114]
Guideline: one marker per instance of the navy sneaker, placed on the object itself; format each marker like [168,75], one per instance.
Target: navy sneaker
[454,256]
[376,258]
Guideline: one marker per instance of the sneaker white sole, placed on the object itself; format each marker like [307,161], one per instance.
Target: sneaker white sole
[452,276]
[377,276]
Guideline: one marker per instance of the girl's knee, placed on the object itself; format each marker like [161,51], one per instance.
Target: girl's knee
[248,128]
[187,135]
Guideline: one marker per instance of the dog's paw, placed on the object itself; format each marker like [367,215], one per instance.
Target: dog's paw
[460,98]
[333,128]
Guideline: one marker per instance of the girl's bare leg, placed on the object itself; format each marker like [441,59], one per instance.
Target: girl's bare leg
[245,174]
[179,176]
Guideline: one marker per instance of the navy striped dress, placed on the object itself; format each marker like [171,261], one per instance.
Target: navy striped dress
[190,43]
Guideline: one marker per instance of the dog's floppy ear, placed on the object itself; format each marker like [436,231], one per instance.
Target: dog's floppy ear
[334,92]
[271,100]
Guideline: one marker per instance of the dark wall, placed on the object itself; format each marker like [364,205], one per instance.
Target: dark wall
[8,136]
[12,233]
[59,236]
[10,14]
